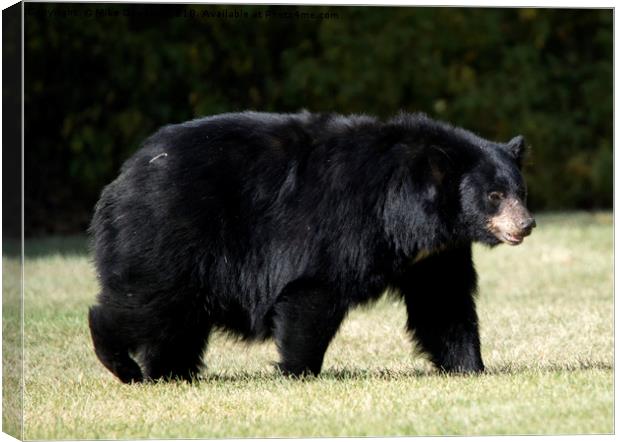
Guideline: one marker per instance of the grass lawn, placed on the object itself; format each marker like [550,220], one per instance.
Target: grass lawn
[546,315]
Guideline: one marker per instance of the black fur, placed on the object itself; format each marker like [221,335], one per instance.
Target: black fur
[275,225]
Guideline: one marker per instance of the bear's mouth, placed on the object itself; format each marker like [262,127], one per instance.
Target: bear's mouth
[510,238]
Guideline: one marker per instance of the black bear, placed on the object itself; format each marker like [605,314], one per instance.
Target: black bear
[275,225]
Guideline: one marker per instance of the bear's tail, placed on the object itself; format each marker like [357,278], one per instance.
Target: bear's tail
[112,343]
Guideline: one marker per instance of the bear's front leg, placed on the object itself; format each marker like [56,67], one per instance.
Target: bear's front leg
[306,318]
[439,293]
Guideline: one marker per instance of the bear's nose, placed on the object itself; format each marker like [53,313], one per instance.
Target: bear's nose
[527,224]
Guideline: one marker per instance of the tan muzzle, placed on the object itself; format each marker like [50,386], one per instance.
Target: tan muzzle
[512,223]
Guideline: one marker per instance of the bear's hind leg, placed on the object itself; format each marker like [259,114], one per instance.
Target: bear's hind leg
[177,341]
[113,340]
[305,321]
[439,294]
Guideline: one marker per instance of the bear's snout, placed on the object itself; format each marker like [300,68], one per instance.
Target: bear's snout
[512,223]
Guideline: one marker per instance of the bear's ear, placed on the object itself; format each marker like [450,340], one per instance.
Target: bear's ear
[516,148]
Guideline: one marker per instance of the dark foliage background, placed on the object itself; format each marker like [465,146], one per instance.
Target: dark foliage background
[100,78]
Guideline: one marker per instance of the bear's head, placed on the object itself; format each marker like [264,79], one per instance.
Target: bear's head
[493,195]
[447,185]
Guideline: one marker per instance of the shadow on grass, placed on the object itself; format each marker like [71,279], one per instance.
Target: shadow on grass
[339,375]
[549,368]
[347,374]
[43,247]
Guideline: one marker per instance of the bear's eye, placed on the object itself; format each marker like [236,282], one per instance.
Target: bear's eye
[496,197]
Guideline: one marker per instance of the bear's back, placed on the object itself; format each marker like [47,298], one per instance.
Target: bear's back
[208,187]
